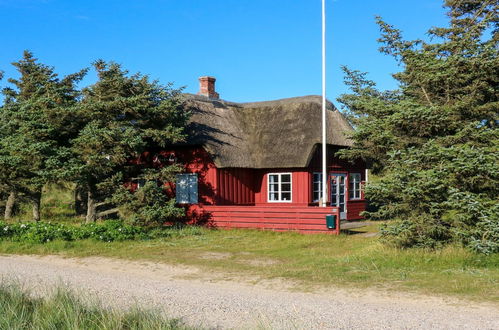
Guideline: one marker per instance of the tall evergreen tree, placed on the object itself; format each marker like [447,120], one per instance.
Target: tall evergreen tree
[124,115]
[37,122]
[435,139]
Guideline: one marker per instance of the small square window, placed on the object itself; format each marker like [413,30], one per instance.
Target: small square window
[279,187]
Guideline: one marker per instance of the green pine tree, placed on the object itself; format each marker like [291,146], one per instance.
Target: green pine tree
[123,115]
[435,139]
[37,122]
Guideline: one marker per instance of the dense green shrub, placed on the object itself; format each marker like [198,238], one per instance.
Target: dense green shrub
[149,205]
[417,231]
[434,139]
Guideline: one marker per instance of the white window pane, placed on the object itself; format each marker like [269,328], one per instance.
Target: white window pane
[274,196]
[354,186]
[182,189]
[279,187]
[317,186]
[193,188]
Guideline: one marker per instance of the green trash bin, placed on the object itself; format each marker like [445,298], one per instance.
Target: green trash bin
[331,221]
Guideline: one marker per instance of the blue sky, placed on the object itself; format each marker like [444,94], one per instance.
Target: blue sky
[257,49]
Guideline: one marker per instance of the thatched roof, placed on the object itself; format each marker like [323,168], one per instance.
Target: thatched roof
[273,134]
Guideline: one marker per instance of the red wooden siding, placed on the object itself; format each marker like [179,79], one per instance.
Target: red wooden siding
[354,207]
[307,219]
[194,160]
[337,165]
[301,191]
[237,197]
[235,186]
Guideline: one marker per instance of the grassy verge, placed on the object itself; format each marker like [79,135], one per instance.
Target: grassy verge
[63,310]
[347,260]
[354,260]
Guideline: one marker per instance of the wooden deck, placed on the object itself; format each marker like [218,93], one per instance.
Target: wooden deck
[308,219]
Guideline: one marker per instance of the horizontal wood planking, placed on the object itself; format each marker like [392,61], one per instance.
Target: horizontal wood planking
[355,207]
[302,219]
[270,208]
[272,226]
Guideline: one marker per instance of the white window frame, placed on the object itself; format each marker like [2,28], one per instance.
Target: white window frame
[357,194]
[320,187]
[279,183]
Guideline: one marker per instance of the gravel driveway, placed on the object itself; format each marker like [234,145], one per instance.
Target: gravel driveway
[205,300]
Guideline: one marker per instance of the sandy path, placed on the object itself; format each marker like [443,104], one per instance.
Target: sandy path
[205,300]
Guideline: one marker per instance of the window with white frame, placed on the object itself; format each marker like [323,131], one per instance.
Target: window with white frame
[279,187]
[354,186]
[316,186]
[186,188]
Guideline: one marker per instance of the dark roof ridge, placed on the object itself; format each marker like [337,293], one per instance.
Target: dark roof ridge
[317,99]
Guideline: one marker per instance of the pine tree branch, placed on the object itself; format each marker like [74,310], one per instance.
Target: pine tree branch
[426,95]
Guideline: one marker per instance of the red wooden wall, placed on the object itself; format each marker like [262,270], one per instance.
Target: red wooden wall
[301,193]
[337,165]
[194,160]
[307,219]
[238,186]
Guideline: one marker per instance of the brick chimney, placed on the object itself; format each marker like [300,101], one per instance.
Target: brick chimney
[207,87]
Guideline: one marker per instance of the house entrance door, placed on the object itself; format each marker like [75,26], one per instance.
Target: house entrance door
[338,193]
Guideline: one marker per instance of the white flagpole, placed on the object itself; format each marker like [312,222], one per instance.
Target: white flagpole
[324,163]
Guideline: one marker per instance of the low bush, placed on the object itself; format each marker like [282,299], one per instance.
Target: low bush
[42,232]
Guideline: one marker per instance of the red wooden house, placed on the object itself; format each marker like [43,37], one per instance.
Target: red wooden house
[257,165]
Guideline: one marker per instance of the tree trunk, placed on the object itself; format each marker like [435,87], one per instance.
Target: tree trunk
[91,205]
[80,200]
[9,207]
[36,201]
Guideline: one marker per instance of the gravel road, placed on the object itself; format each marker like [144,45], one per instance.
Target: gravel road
[206,300]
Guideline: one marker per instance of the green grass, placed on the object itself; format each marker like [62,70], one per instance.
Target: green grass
[56,205]
[64,310]
[309,260]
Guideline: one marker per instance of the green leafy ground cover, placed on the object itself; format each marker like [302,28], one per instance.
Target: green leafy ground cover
[44,232]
